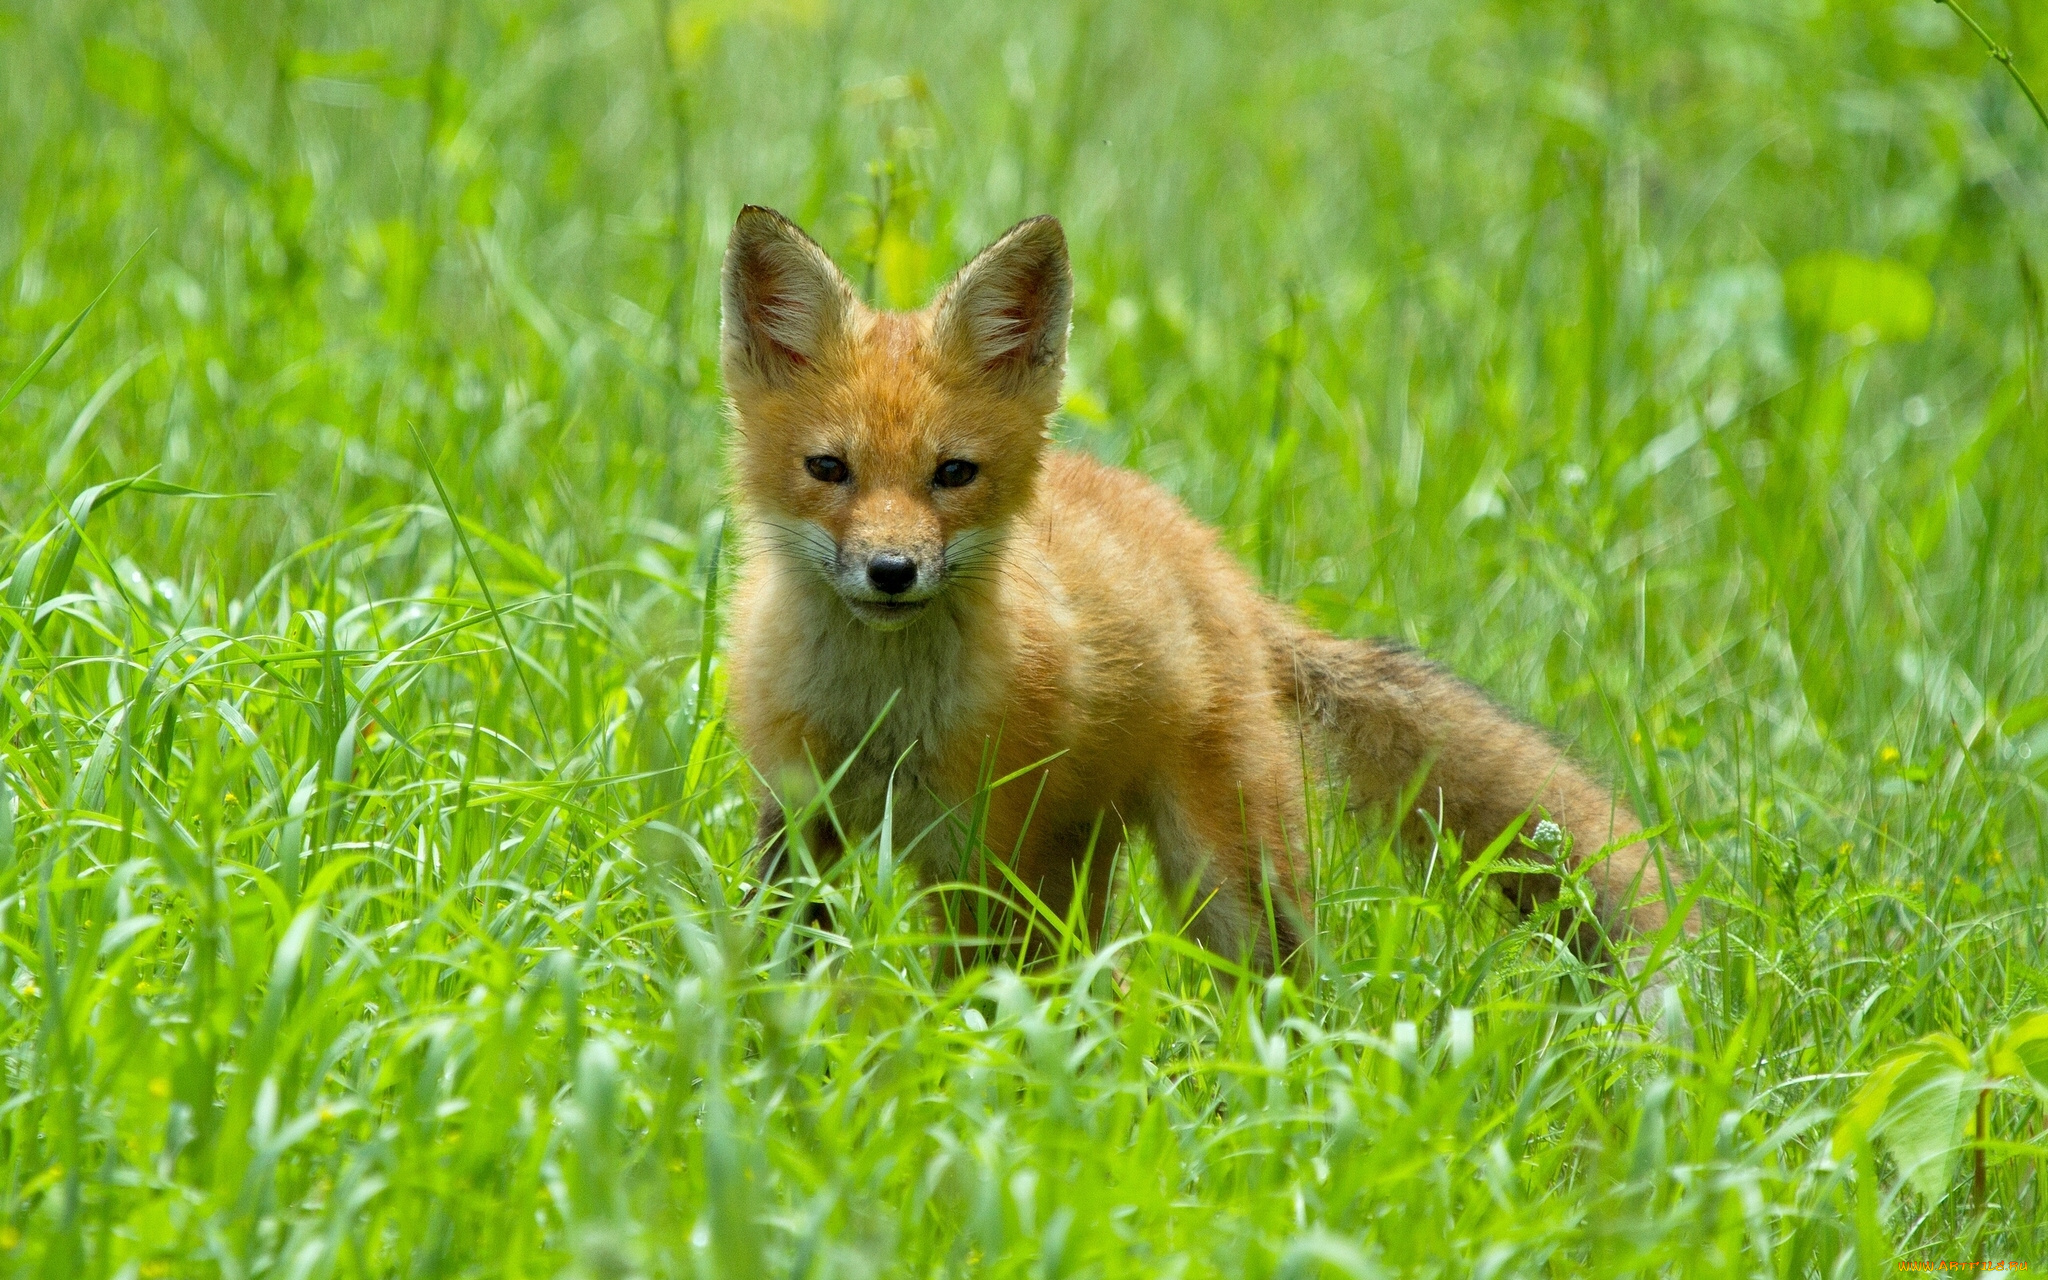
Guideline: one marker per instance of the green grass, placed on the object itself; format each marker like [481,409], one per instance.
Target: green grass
[370,896]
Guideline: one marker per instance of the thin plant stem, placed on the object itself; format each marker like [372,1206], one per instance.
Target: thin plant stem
[676,101]
[2001,54]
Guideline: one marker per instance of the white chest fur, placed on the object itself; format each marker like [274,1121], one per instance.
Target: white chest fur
[916,696]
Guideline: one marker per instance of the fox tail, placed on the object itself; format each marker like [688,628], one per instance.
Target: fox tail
[1390,717]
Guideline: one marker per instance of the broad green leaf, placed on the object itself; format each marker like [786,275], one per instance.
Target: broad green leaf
[1845,293]
[1923,1126]
[1873,1100]
[1915,1103]
[1867,1105]
[2020,1048]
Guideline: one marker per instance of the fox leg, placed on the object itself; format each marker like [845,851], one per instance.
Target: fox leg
[772,858]
[1078,858]
[1232,856]
[1055,861]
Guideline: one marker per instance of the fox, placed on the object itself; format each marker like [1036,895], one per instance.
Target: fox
[932,596]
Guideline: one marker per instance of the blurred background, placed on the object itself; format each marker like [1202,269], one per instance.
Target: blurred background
[1432,306]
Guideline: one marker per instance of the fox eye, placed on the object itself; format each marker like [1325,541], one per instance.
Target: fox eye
[954,473]
[827,468]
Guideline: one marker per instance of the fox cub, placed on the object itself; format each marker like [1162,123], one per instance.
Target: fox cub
[934,598]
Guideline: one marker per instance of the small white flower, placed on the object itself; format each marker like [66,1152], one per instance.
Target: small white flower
[1548,836]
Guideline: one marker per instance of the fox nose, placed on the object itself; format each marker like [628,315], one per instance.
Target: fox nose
[892,574]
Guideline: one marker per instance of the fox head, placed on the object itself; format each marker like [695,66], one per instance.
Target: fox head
[887,451]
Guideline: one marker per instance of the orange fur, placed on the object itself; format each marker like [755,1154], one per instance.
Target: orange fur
[1056,617]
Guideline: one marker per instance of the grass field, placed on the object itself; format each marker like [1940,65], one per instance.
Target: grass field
[370,842]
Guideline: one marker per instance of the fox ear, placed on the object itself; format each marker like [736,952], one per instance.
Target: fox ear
[784,304]
[1005,315]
